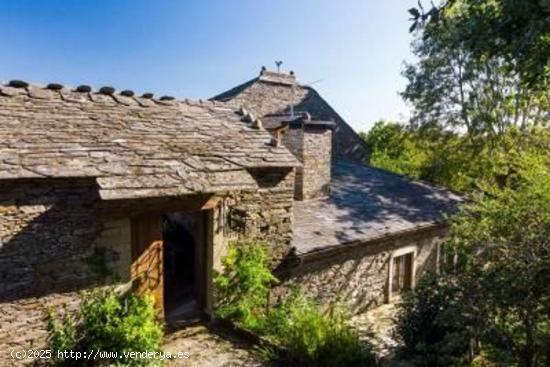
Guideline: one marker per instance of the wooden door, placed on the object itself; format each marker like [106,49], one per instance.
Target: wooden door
[402,273]
[147,255]
[203,260]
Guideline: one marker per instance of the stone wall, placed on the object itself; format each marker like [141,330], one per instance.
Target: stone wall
[317,162]
[265,215]
[53,231]
[357,275]
[46,233]
[293,140]
[114,247]
[312,146]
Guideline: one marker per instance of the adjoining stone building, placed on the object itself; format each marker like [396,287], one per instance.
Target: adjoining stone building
[369,233]
[98,183]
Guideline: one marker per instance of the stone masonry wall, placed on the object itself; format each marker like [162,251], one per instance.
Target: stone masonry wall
[293,140]
[52,239]
[359,275]
[46,235]
[317,162]
[265,215]
[52,231]
[115,242]
[313,148]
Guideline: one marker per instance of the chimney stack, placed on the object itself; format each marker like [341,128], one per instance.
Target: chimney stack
[311,142]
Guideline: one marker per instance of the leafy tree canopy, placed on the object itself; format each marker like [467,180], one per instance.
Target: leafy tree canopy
[455,160]
[516,31]
[482,67]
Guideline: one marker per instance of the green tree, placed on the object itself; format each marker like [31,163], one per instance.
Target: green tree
[497,302]
[504,239]
[451,159]
[480,97]
[515,31]
[457,86]
[396,149]
[386,137]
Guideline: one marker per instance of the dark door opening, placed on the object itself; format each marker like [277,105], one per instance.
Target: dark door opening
[183,235]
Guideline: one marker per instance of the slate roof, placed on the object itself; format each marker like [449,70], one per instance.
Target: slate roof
[265,76]
[133,146]
[367,204]
[274,93]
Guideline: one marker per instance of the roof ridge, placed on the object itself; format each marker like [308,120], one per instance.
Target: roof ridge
[277,77]
[122,97]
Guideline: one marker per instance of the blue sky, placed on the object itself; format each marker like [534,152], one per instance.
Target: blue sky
[196,49]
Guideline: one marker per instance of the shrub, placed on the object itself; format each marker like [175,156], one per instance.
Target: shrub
[243,288]
[498,304]
[430,324]
[108,322]
[311,337]
[316,337]
[62,334]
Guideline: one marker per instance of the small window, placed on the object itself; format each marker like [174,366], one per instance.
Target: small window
[402,276]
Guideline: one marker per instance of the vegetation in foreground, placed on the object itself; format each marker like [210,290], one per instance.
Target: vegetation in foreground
[480,125]
[493,304]
[109,322]
[310,336]
[493,307]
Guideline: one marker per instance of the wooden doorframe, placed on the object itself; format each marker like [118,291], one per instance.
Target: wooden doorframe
[204,255]
[209,262]
[201,261]
[408,250]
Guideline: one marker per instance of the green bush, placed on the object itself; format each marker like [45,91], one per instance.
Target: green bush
[310,336]
[431,325]
[314,337]
[504,238]
[243,287]
[107,322]
[496,306]
[62,334]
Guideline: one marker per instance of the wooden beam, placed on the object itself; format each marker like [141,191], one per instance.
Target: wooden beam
[212,202]
[133,208]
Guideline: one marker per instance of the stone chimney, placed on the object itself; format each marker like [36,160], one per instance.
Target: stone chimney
[311,142]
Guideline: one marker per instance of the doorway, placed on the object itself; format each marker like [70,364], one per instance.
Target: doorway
[183,235]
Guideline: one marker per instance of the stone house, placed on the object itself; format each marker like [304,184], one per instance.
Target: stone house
[104,187]
[369,233]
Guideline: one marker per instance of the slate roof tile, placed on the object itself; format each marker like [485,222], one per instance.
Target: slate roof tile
[366,204]
[133,146]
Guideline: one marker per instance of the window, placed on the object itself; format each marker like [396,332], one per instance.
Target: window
[402,273]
